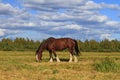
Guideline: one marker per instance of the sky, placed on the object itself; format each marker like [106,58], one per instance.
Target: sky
[77,19]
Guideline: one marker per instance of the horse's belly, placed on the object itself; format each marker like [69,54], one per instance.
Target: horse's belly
[59,48]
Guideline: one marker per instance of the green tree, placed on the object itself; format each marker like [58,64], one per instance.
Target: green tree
[81,45]
[105,45]
[115,45]
[20,44]
[6,44]
[94,45]
[86,45]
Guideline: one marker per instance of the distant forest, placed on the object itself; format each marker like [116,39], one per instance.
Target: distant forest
[23,44]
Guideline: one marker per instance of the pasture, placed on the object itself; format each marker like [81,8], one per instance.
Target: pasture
[16,65]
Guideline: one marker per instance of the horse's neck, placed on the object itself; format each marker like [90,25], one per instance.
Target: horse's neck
[42,48]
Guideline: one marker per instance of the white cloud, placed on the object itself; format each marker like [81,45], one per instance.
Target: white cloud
[6,32]
[91,5]
[112,23]
[2,32]
[78,18]
[50,5]
[7,9]
[98,18]
[105,36]
[71,26]
[111,6]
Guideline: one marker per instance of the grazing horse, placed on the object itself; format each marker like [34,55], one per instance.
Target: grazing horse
[52,44]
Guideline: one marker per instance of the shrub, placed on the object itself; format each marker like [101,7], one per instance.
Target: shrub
[107,65]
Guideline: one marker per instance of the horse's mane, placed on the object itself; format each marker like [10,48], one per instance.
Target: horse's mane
[51,38]
[38,49]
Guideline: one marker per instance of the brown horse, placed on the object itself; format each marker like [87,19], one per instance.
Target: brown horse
[51,44]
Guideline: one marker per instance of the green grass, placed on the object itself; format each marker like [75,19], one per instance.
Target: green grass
[16,65]
[107,65]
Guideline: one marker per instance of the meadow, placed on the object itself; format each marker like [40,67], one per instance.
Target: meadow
[21,65]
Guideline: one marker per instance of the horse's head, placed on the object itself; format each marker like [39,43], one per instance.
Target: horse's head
[38,56]
[39,51]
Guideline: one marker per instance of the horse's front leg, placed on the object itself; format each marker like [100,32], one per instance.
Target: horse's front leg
[71,57]
[57,58]
[50,54]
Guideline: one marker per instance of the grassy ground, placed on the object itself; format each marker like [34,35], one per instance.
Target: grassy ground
[22,66]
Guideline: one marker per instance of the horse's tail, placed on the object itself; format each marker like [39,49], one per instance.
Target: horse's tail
[76,48]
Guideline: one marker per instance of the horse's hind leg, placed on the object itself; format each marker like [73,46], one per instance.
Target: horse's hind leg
[71,54]
[75,58]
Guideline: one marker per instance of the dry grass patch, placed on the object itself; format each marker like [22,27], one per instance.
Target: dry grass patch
[22,66]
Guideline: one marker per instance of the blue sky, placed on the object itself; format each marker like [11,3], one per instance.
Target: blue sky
[78,19]
[111,13]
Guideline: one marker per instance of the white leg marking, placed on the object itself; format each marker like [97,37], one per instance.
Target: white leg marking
[70,58]
[58,60]
[51,59]
[36,57]
[75,59]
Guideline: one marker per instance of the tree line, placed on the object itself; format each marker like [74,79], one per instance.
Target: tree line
[18,44]
[23,44]
[99,46]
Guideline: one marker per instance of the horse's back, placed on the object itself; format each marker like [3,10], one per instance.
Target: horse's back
[58,43]
[61,40]
[64,42]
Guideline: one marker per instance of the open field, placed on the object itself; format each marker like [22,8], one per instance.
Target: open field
[22,66]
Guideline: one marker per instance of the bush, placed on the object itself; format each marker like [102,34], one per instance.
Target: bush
[107,65]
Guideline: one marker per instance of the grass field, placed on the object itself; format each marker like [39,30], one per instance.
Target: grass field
[22,66]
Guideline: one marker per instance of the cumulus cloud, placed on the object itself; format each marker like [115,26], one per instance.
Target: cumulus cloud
[7,9]
[111,6]
[52,5]
[2,32]
[6,32]
[113,23]
[72,26]
[103,36]
[79,19]
[98,18]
